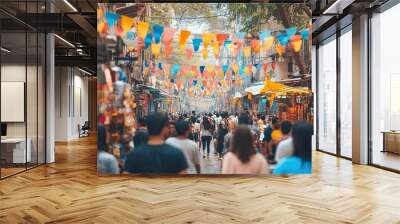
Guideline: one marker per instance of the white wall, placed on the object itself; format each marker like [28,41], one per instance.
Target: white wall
[71,94]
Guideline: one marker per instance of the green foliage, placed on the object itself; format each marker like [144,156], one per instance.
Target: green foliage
[252,16]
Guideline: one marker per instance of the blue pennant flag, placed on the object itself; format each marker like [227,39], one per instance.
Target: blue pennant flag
[264,34]
[160,66]
[291,31]
[157,32]
[225,68]
[111,18]
[283,39]
[202,67]
[147,40]
[304,34]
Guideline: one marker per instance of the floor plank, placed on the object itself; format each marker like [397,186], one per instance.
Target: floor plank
[69,191]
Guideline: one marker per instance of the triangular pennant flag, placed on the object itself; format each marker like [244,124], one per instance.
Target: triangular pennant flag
[202,67]
[283,39]
[126,23]
[148,40]
[204,53]
[183,36]
[295,38]
[157,32]
[291,31]
[235,68]
[221,37]
[207,39]
[142,29]
[167,50]
[111,18]
[280,49]
[264,34]
[168,34]
[247,51]
[296,45]
[225,68]
[155,49]
[273,66]
[227,43]
[215,47]
[160,66]
[265,66]
[196,43]
[267,44]
[304,34]
[255,45]
[189,53]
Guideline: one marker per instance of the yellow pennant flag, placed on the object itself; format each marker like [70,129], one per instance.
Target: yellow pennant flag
[246,70]
[267,44]
[184,35]
[247,51]
[155,49]
[216,46]
[235,68]
[204,52]
[126,23]
[142,28]
[207,38]
[100,26]
[296,45]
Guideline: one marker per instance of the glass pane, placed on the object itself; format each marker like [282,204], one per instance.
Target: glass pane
[327,96]
[385,89]
[346,94]
[31,97]
[13,86]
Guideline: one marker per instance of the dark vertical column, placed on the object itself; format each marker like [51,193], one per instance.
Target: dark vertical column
[338,98]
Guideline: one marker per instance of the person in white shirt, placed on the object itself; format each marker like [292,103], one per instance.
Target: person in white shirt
[187,146]
[285,146]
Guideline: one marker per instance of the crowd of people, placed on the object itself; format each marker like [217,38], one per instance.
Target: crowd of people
[243,143]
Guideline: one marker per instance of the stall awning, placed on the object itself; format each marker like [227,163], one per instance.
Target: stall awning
[254,90]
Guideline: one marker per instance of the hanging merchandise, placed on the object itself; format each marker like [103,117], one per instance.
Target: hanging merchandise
[189,53]
[155,49]
[142,29]
[196,43]
[204,53]
[157,32]
[183,37]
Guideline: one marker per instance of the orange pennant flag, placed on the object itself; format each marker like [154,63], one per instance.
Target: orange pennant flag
[215,46]
[280,49]
[221,37]
[255,45]
[167,50]
[126,23]
[183,37]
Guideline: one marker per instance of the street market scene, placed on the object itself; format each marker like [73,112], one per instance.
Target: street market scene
[208,88]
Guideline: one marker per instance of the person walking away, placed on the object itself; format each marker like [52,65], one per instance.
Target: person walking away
[222,131]
[242,157]
[106,162]
[206,135]
[156,157]
[272,135]
[285,146]
[187,146]
[141,134]
[300,161]
[228,137]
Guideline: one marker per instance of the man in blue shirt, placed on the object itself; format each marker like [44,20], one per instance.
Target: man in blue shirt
[156,157]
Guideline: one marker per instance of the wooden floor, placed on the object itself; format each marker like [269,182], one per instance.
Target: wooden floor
[70,191]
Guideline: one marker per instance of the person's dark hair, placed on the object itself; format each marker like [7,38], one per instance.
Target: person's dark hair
[244,119]
[210,114]
[286,127]
[302,134]
[242,144]
[206,123]
[274,121]
[141,121]
[263,117]
[140,138]
[101,138]
[156,122]
[182,127]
